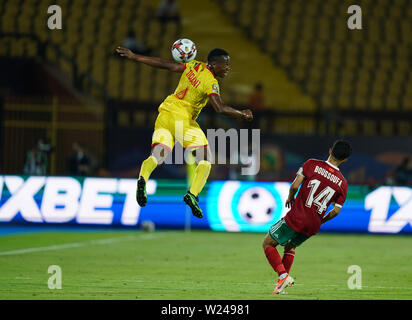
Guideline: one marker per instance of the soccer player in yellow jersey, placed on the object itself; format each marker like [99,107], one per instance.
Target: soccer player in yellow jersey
[177,117]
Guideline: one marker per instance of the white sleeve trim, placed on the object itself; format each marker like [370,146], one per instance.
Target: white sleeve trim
[338,205]
[300,171]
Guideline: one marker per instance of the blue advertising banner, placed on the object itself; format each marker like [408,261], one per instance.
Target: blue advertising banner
[234,206]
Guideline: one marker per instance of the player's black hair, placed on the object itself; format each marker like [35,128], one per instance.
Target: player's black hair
[341,150]
[215,54]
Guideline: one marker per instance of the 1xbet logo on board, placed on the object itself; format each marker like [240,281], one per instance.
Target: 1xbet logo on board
[399,211]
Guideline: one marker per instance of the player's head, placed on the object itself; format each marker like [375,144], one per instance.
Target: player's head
[218,61]
[341,150]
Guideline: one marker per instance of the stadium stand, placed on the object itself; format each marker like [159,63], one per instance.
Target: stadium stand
[91,30]
[320,79]
[109,22]
[365,70]
[248,66]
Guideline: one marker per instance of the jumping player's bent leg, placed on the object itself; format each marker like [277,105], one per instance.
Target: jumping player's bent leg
[199,180]
[157,157]
[162,145]
[202,170]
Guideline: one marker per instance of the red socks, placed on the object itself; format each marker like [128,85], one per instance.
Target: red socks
[280,265]
[287,259]
[274,259]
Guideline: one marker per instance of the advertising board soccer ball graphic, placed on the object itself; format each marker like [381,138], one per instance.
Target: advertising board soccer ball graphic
[256,205]
[184,50]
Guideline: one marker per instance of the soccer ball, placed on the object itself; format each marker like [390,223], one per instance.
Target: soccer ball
[148,226]
[257,205]
[184,50]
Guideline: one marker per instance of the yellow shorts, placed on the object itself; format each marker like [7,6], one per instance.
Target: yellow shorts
[171,127]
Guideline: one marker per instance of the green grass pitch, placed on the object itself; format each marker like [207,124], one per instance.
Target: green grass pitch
[198,265]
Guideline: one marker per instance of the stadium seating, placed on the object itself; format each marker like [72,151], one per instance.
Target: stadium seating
[368,69]
[319,65]
[91,31]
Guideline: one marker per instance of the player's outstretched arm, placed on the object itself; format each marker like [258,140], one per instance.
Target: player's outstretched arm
[293,189]
[332,214]
[151,61]
[226,110]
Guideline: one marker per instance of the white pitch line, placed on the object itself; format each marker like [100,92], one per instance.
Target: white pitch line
[38,249]
[369,287]
[79,244]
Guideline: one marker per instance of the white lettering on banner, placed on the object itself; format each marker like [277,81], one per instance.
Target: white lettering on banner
[13,183]
[53,197]
[22,199]
[131,210]
[379,202]
[92,199]
[61,199]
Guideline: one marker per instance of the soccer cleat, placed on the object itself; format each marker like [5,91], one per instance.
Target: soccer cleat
[192,201]
[282,284]
[141,195]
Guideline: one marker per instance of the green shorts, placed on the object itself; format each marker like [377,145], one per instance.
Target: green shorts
[283,234]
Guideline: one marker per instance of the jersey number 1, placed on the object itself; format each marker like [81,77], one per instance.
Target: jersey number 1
[322,199]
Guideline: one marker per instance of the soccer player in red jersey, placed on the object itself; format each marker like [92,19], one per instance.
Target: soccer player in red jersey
[322,184]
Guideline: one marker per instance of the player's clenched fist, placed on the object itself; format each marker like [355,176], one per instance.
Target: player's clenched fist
[124,52]
[247,115]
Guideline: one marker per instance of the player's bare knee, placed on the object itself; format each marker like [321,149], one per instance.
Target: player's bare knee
[268,242]
[289,247]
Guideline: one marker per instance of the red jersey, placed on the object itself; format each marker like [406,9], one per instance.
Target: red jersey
[323,184]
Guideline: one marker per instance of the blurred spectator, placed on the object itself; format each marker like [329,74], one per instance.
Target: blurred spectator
[79,163]
[135,45]
[403,172]
[44,146]
[36,162]
[168,11]
[256,100]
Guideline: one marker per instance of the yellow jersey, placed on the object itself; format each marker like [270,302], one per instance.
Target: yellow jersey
[195,86]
